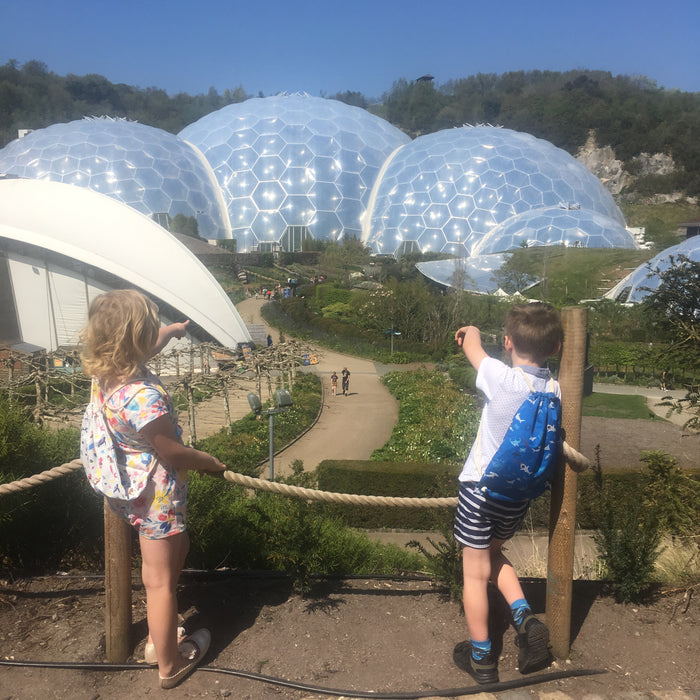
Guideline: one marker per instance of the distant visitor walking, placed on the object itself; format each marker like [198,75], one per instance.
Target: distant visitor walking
[334,383]
[346,381]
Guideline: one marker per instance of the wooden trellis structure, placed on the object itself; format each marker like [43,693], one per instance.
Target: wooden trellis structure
[53,385]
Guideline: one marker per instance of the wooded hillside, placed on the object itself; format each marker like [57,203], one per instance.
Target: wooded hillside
[629,113]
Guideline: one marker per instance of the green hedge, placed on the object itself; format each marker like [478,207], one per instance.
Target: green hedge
[440,480]
[407,479]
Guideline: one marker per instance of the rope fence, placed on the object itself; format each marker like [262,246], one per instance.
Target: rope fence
[40,478]
[575,459]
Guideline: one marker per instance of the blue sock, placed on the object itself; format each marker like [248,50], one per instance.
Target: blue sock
[519,609]
[480,650]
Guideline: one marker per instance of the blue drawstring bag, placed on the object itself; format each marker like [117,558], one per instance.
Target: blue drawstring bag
[524,463]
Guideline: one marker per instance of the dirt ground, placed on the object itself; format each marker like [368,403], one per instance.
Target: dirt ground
[379,635]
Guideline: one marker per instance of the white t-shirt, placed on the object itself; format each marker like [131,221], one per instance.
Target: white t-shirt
[505,389]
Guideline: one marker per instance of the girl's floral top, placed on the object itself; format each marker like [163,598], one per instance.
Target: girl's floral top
[127,411]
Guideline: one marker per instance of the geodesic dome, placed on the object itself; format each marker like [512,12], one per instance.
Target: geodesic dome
[147,168]
[473,274]
[555,226]
[640,283]
[446,191]
[294,166]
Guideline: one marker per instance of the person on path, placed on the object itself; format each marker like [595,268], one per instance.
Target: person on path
[533,332]
[334,383]
[122,333]
[346,381]
[269,340]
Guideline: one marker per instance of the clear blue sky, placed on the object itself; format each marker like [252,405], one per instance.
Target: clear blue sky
[326,46]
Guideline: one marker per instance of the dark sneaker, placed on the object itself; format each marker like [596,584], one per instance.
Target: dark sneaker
[533,644]
[483,671]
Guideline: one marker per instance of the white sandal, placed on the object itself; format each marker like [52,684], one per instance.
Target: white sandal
[149,651]
[200,641]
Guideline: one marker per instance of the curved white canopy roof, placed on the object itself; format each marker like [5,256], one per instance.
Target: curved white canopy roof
[106,234]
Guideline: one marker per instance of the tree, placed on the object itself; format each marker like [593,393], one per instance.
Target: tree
[338,257]
[511,278]
[186,225]
[355,99]
[677,299]
[676,303]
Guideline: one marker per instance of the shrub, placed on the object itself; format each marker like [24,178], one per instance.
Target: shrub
[54,524]
[628,538]
[628,541]
[671,494]
[275,532]
[423,433]
[407,479]
[444,561]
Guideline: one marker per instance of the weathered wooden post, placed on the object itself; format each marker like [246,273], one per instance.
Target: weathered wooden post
[190,410]
[117,587]
[227,407]
[10,376]
[562,520]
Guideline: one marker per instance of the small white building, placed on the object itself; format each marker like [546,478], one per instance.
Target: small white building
[61,245]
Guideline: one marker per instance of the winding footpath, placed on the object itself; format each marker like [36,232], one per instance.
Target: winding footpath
[349,427]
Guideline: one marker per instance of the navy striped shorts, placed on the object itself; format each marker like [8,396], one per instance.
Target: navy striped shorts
[481,518]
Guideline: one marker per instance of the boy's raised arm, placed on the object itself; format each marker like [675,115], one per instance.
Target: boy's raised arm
[469,339]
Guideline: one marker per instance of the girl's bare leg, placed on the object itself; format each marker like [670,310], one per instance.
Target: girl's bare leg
[162,562]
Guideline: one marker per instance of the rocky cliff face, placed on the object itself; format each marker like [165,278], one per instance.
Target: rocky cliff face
[601,161]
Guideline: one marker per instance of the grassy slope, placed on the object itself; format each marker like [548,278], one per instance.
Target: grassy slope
[617,406]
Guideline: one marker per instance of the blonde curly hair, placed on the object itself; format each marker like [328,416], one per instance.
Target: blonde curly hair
[120,336]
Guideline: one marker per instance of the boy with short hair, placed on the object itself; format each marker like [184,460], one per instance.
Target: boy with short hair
[533,332]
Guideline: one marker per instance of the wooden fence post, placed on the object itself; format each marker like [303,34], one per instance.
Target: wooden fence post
[190,411]
[227,407]
[562,520]
[117,587]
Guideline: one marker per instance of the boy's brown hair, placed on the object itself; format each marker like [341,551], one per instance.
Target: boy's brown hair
[535,330]
[121,333]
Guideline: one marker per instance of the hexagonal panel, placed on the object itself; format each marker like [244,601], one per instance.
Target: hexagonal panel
[330,152]
[268,196]
[497,174]
[123,160]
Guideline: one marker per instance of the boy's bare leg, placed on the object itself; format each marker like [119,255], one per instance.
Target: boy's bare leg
[503,574]
[476,564]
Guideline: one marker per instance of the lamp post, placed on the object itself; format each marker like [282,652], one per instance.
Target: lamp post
[284,403]
[392,332]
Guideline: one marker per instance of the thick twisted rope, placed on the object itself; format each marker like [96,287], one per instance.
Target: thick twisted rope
[331,497]
[574,458]
[40,478]
[577,461]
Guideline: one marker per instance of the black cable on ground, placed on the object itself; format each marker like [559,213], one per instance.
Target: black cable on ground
[402,695]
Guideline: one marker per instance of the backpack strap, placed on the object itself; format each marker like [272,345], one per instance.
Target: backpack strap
[529,383]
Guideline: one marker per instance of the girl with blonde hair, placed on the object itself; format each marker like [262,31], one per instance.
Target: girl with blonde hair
[122,333]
